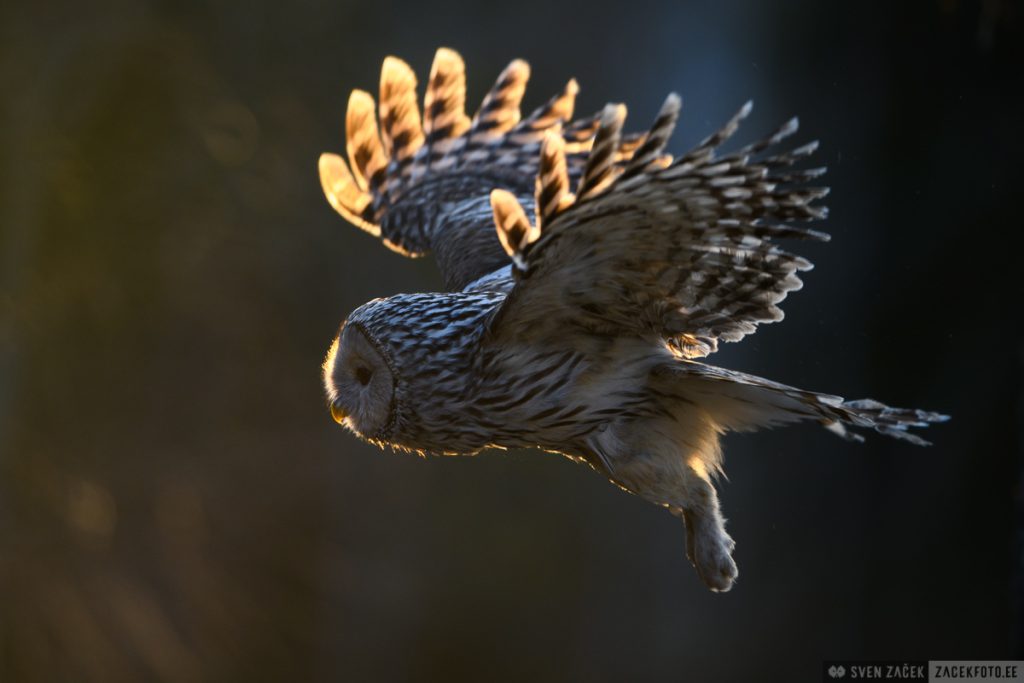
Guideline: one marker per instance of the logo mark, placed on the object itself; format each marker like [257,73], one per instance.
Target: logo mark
[837,671]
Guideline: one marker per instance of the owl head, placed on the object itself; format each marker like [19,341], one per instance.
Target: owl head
[379,359]
[399,365]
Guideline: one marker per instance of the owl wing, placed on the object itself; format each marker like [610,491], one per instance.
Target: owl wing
[685,250]
[417,182]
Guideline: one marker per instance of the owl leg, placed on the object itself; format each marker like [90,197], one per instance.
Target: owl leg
[660,474]
[708,546]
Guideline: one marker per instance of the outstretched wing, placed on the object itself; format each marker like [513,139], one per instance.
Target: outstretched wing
[423,184]
[685,250]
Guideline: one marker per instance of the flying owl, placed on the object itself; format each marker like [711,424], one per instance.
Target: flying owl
[588,271]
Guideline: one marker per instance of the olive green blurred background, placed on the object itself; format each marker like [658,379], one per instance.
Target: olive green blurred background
[176,504]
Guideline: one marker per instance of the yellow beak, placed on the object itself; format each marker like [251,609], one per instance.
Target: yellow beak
[338,412]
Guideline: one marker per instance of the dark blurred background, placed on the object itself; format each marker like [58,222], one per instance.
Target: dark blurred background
[177,505]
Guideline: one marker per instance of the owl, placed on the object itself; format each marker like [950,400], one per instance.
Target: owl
[588,273]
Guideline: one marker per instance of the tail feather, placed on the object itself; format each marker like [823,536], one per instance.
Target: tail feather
[893,422]
[742,402]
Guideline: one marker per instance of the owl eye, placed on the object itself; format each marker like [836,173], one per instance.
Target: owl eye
[364,375]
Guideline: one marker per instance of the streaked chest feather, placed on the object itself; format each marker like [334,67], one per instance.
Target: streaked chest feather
[553,397]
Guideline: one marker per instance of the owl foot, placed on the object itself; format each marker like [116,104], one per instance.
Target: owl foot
[710,548]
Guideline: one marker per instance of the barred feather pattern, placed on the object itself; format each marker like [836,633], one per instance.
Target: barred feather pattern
[552,188]
[400,127]
[445,103]
[499,111]
[597,173]
[708,268]
[406,178]
[365,150]
[650,155]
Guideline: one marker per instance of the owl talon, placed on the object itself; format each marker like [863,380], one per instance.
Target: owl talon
[710,548]
[715,565]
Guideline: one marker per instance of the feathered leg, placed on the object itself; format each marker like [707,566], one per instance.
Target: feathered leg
[668,461]
[708,546]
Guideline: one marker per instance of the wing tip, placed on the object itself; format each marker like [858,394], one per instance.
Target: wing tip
[613,114]
[520,68]
[342,192]
[360,99]
[808,149]
[448,56]
[551,143]
[394,69]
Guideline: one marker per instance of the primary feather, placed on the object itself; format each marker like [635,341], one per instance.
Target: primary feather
[423,186]
[686,250]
